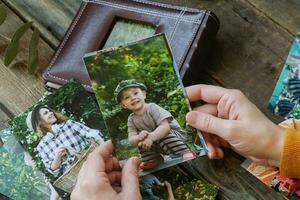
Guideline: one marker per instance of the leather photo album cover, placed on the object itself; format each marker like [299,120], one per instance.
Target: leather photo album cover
[100,24]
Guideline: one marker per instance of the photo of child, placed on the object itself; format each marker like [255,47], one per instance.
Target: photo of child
[151,129]
[143,103]
[58,132]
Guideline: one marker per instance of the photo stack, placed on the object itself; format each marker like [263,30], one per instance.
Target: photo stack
[139,103]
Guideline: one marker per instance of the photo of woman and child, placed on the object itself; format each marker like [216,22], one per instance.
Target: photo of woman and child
[60,138]
[151,128]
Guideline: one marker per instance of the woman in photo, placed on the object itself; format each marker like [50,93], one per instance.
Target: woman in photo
[60,137]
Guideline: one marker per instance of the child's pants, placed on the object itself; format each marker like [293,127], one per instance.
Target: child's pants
[173,143]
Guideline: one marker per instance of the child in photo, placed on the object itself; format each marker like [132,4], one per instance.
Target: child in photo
[60,138]
[150,127]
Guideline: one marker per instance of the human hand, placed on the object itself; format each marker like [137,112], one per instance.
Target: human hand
[142,135]
[101,178]
[229,118]
[169,189]
[59,153]
[145,144]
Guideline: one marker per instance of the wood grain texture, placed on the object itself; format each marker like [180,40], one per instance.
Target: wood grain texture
[18,90]
[52,17]
[284,13]
[234,181]
[3,119]
[252,44]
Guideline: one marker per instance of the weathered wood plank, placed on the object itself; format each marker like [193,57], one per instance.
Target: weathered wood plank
[52,17]
[284,13]
[3,120]
[18,90]
[234,181]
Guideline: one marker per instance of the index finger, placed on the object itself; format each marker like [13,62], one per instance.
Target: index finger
[208,93]
[97,158]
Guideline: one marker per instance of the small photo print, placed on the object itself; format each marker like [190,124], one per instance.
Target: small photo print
[172,184]
[19,178]
[59,131]
[270,175]
[264,173]
[143,103]
[286,95]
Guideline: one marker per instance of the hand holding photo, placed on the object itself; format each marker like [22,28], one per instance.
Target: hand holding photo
[143,103]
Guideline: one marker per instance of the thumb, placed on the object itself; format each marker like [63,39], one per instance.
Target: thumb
[209,123]
[130,179]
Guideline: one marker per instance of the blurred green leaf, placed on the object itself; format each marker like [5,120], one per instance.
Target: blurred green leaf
[20,32]
[3,13]
[174,107]
[13,48]
[171,93]
[33,52]
[11,52]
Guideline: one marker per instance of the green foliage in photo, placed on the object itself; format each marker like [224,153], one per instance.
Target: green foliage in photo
[149,62]
[73,102]
[184,187]
[18,180]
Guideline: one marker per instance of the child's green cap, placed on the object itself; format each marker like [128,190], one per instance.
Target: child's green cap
[127,84]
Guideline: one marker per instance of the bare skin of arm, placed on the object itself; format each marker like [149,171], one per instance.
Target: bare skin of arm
[57,160]
[133,139]
[160,132]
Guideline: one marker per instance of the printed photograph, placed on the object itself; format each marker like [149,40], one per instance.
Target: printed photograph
[270,175]
[173,183]
[19,178]
[143,103]
[59,131]
[286,95]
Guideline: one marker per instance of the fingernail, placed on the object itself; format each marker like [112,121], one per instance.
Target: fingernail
[191,117]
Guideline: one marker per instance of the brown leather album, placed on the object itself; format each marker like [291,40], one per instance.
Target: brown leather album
[190,33]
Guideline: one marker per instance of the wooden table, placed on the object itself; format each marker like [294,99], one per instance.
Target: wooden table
[252,45]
